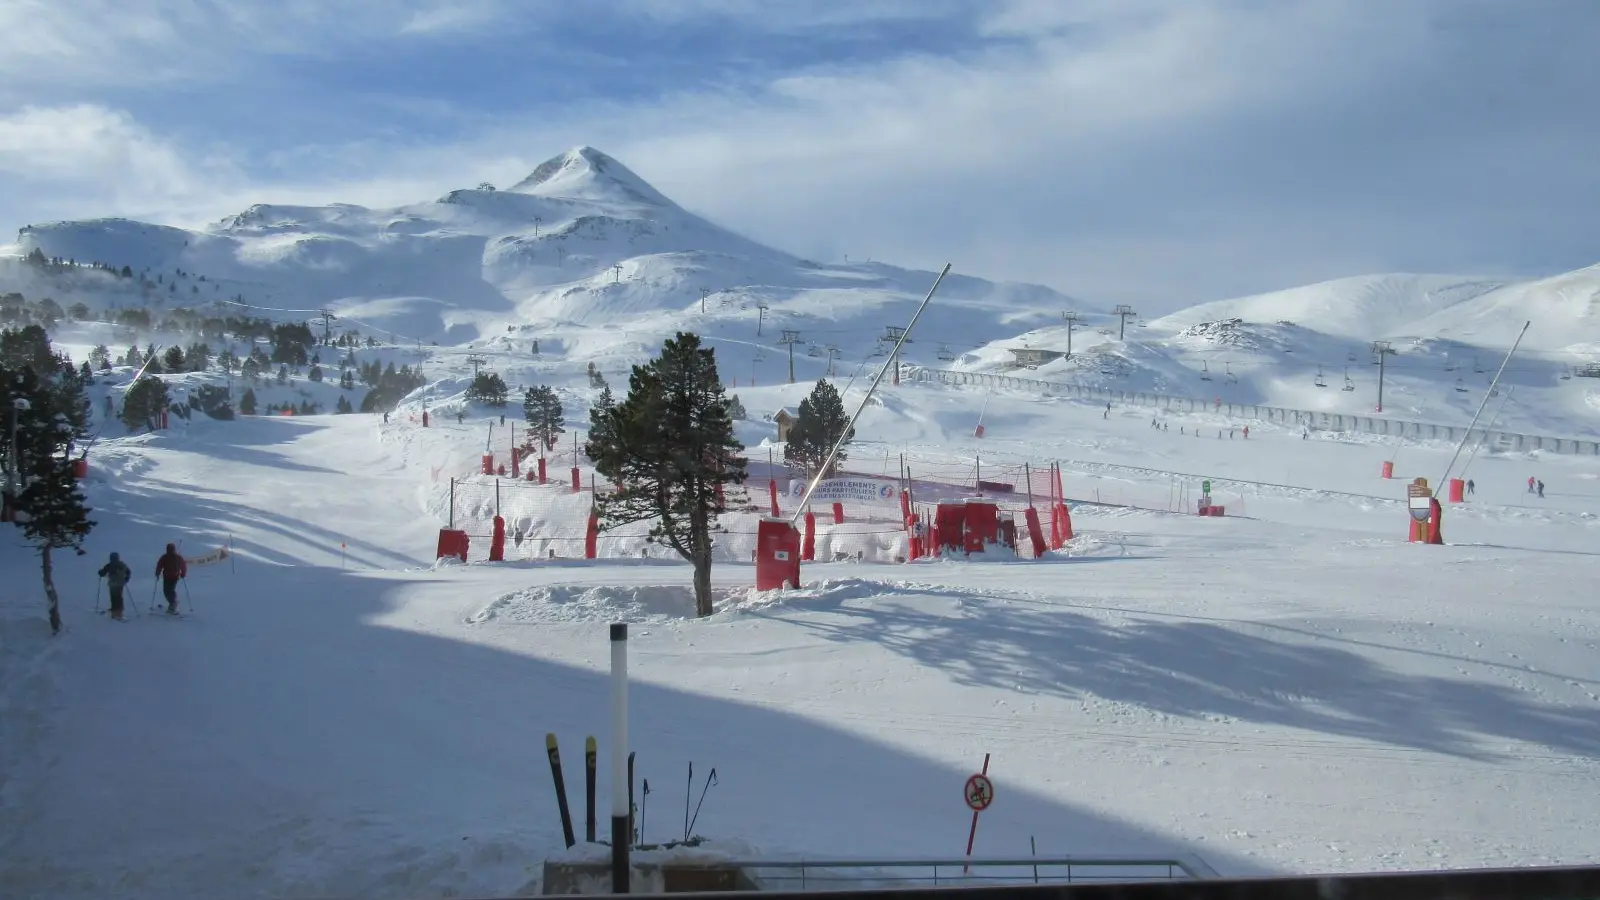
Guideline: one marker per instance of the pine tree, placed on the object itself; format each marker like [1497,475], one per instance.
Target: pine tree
[45,394]
[487,388]
[173,358]
[315,374]
[100,357]
[736,409]
[247,403]
[343,406]
[541,407]
[143,403]
[669,444]
[821,421]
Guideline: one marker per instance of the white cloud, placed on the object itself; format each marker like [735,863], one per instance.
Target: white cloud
[1102,146]
[92,154]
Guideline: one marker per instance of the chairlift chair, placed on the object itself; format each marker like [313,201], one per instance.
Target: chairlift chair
[1566,374]
[1348,384]
[1461,386]
[945,353]
[1232,378]
[1320,381]
[813,352]
[1351,356]
[1477,367]
[1205,372]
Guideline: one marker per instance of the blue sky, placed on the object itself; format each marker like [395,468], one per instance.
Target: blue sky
[1156,152]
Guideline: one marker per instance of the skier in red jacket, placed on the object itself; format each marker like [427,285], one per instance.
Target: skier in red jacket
[169,568]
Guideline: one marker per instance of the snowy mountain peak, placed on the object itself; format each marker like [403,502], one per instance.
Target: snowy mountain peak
[584,173]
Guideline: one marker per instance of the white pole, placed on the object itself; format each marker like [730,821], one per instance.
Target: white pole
[620,839]
[811,488]
[1486,395]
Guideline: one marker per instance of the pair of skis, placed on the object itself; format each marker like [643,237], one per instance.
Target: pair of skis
[590,763]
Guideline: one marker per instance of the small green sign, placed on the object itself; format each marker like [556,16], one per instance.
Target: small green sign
[1205,487]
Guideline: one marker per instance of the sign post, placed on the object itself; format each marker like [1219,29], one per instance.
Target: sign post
[979,793]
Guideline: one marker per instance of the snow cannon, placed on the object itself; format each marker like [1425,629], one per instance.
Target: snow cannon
[777,554]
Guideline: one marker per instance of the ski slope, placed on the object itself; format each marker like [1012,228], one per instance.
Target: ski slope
[1292,689]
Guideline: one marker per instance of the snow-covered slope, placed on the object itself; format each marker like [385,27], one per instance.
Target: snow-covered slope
[1312,348]
[582,244]
[1293,689]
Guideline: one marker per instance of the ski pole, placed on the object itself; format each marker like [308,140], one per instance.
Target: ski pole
[710,780]
[644,803]
[188,597]
[97,581]
[688,791]
[152,595]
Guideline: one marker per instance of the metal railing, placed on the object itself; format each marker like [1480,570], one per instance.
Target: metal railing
[863,874]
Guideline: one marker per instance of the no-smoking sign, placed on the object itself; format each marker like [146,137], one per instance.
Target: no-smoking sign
[979,793]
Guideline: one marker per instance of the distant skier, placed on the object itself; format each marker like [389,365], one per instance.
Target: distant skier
[461,417]
[1541,490]
[1531,481]
[502,419]
[170,568]
[385,418]
[117,575]
[1247,432]
[1472,486]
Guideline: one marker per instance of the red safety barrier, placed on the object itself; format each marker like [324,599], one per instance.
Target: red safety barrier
[591,537]
[497,544]
[1035,532]
[838,513]
[808,550]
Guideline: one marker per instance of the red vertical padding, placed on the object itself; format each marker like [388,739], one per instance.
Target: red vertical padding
[1035,533]
[905,506]
[424,418]
[497,546]
[577,480]
[808,550]
[488,464]
[1435,521]
[1458,490]
[838,513]
[543,475]
[772,491]
[591,536]
[1388,469]
[516,461]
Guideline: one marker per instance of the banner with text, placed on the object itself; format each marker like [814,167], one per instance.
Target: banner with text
[847,490]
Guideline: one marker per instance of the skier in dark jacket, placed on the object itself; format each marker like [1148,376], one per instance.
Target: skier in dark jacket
[169,568]
[117,575]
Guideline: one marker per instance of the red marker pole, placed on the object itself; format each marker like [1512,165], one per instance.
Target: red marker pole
[979,794]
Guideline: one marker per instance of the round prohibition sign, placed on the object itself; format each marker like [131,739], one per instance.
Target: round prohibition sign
[979,792]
